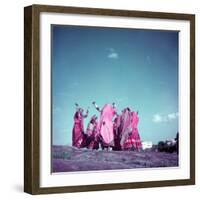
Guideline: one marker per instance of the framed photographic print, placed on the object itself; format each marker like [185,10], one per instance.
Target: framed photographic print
[109,99]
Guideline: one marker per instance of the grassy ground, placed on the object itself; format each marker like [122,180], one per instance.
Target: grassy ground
[67,158]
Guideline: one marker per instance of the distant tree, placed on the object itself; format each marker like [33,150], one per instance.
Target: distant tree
[170,148]
[177,142]
[161,146]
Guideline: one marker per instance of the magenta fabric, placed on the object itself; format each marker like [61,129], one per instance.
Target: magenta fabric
[92,135]
[106,124]
[117,133]
[90,128]
[126,127]
[95,131]
[133,140]
[135,120]
[78,130]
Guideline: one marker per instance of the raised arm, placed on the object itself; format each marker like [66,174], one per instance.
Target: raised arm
[86,114]
[77,106]
[97,107]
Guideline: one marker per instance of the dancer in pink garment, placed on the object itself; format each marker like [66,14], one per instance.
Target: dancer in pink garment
[78,136]
[105,125]
[135,133]
[133,141]
[117,133]
[126,127]
[92,141]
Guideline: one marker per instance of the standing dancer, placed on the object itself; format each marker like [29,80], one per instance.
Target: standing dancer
[78,136]
[117,133]
[92,141]
[126,127]
[105,125]
[133,140]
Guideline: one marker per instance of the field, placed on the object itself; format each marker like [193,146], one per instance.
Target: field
[69,159]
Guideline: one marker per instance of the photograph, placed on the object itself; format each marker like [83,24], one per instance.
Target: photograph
[114,98]
[109,99]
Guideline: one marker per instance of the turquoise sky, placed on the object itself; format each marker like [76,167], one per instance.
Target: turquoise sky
[134,68]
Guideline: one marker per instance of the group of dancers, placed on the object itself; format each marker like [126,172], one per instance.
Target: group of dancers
[111,130]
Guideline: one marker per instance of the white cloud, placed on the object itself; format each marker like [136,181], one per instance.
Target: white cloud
[172,116]
[112,54]
[157,118]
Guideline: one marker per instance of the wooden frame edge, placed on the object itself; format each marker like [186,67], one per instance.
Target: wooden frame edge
[192,98]
[27,99]
[31,99]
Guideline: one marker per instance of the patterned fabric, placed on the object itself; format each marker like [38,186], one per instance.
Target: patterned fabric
[133,141]
[126,127]
[106,125]
[120,134]
[90,128]
[117,133]
[78,130]
[92,141]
